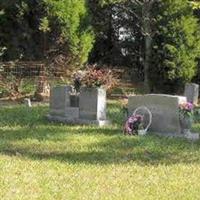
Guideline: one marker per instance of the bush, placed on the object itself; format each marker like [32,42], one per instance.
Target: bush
[94,77]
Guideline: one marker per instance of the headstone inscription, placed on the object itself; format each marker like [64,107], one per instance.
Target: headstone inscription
[192,92]
[164,109]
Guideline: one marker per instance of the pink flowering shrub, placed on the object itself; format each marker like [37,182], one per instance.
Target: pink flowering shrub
[94,77]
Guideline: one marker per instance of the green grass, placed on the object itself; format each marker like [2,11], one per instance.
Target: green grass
[41,160]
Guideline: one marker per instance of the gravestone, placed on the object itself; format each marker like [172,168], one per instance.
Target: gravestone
[60,103]
[164,109]
[27,102]
[92,104]
[192,92]
[89,107]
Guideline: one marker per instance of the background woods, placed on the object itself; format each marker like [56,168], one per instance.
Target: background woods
[157,41]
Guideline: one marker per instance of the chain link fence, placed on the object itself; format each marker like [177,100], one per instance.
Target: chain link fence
[18,79]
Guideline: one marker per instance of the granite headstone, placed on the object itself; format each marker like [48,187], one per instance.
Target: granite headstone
[60,103]
[164,109]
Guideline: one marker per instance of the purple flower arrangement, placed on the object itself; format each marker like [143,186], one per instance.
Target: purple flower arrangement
[77,80]
[132,125]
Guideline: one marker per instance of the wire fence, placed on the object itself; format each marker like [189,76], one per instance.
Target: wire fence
[27,78]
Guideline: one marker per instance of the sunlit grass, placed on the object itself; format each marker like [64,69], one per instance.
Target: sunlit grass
[42,160]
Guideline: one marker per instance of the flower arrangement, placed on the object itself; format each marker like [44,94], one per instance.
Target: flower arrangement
[77,80]
[94,77]
[186,116]
[186,109]
[133,124]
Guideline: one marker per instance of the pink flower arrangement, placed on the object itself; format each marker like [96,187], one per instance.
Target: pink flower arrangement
[133,124]
[186,109]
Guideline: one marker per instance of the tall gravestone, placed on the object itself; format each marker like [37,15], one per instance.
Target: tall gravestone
[192,92]
[60,103]
[164,109]
[92,104]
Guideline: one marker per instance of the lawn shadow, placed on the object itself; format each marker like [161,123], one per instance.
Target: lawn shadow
[53,132]
[114,149]
[24,132]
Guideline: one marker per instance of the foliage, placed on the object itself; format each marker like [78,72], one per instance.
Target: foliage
[19,21]
[94,77]
[9,84]
[175,40]
[73,20]
[195,4]
[35,30]
[65,33]
[111,21]
[176,45]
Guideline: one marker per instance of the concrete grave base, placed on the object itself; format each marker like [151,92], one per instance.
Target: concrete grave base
[189,135]
[67,120]
[68,112]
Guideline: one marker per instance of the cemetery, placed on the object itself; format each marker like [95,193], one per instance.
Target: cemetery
[53,136]
[99,100]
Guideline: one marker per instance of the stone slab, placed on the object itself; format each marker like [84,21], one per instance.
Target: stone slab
[165,111]
[188,136]
[192,136]
[66,120]
[69,112]
[60,97]
[192,92]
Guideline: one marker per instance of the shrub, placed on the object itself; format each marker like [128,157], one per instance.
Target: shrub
[94,77]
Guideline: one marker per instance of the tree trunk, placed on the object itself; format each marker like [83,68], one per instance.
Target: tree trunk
[146,28]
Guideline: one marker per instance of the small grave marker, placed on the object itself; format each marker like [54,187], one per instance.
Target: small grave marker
[192,92]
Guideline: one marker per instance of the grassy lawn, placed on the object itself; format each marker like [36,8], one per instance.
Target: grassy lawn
[39,160]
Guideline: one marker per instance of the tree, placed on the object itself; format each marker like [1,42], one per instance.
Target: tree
[135,20]
[176,45]
[161,36]
[19,32]
[76,34]
[40,29]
